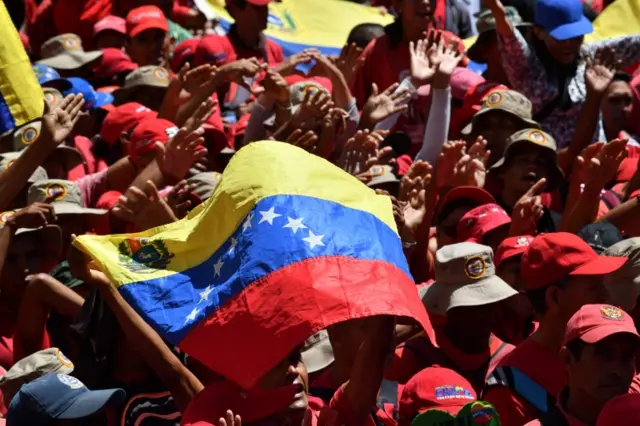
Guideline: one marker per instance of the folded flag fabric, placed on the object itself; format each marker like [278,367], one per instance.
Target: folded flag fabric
[21,98]
[287,245]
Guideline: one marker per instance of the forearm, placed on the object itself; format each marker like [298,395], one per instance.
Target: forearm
[6,236]
[587,121]
[437,129]
[341,93]
[255,130]
[183,385]
[14,178]
[120,174]
[153,173]
[584,212]
[625,217]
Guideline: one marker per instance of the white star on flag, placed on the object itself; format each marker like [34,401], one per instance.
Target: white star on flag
[218,267]
[204,294]
[268,216]
[295,224]
[234,243]
[192,316]
[314,240]
[247,222]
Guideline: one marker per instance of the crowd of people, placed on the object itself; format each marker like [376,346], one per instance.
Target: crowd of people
[515,193]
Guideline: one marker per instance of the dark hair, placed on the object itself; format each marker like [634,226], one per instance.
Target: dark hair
[362,34]
[538,299]
[575,348]
[240,3]
[621,76]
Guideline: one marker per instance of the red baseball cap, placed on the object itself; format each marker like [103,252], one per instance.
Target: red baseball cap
[478,221]
[114,61]
[147,133]
[122,119]
[623,410]
[435,388]
[592,323]
[472,101]
[144,18]
[472,193]
[113,23]
[552,257]
[184,52]
[216,398]
[512,247]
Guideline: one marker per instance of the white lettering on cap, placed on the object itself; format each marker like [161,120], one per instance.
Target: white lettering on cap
[151,14]
[70,381]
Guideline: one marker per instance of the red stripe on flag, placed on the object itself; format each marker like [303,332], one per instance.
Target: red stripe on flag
[260,326]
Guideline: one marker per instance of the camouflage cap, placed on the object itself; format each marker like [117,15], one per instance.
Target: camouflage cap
[485,21]
[27,134]
[381,175]
[63,195]
[510,102]
[538,138]
[147,76]
[65,52]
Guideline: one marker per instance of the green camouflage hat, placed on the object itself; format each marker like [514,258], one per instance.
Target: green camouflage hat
[538,138]
[509,101]
[485,21]
[65,197]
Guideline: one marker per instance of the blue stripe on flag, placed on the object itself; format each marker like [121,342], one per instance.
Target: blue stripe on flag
[279,231]
[7,122]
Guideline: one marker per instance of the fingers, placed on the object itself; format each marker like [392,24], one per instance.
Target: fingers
[74,108]
[390,91]
[536,188]
[374,89]
[153,190]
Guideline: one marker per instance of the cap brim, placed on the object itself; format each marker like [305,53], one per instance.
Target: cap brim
[102,99]
[72,208]
[72,157]
[151,24]
[597,334]
[575,29]
[91,402]
[71,61]
[60,84]
[439,298]
[50,237]
[600,265]
[473,193]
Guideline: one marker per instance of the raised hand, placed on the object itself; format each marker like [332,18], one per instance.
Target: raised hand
[146,211]
[305,140]
[201,114]
[422,69]
[599,71]
[181,152]
[447,57]
[288,67]
[471,168]
[83,268]
[452,153]
[357,152]
[528,211]
[314,106]
[382,105]
[230,420]
[276,87]
[33,216]
[58,123]
[602,168]
[413,189]
[190,82]
[241,70]
[179,200]
[350,61]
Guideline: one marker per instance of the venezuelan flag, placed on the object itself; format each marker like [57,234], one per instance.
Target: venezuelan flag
[300,24]
[287,245]
[21,98]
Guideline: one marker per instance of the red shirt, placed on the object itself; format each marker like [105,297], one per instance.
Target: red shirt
[408,362]
[92,164]
[220,50]
[541,366]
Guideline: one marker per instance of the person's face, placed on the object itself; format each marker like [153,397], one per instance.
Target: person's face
[495,237]
[251,18]
[526,166]
[110,38]
[580,291]
[562,51]
[148,47]
[496,127]
[481,317]
[290,371]
[417,16]
[151,97]
[55,166]
[605,369]
[617,105]
[447,231]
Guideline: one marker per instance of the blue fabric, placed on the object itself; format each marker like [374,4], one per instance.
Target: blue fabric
[48,75]
[258,252]
[92,99]
[535,394]
[7,122]
[562,19]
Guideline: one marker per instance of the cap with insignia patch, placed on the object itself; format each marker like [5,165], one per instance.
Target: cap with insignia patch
[593,323]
